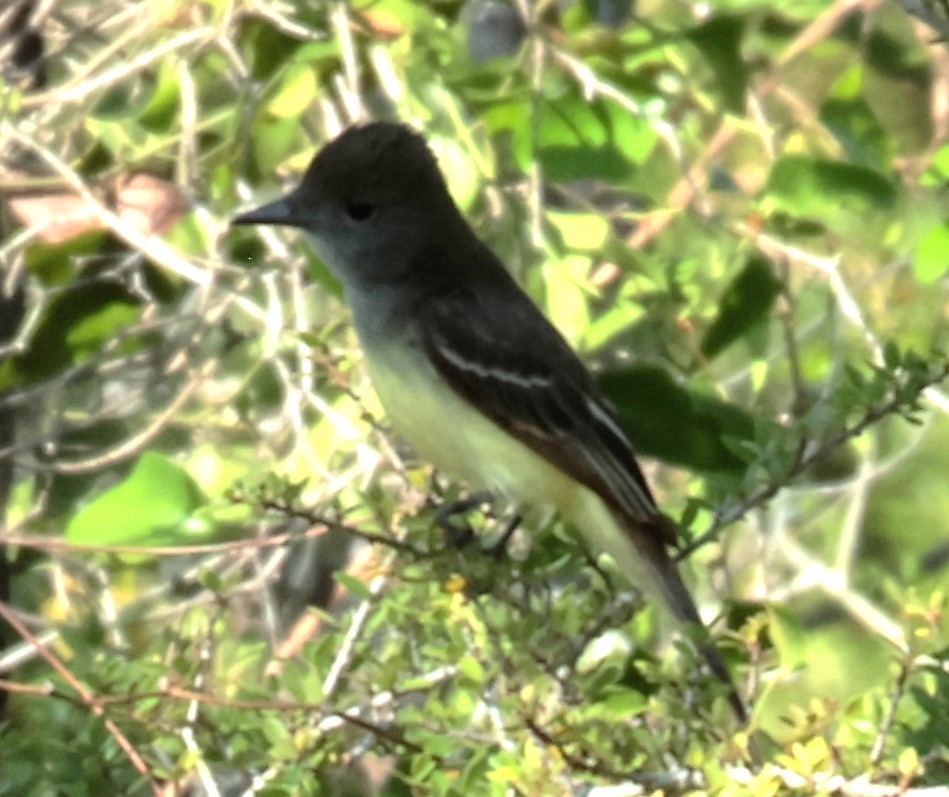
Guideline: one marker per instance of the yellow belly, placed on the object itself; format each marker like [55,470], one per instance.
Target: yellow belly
[446,431]
[449,433]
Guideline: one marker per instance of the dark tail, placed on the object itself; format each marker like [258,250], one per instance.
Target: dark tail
[668,585]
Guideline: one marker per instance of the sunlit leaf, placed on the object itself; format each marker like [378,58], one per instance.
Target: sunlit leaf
[295,93]
[931,258]
[568,294]
[584,232]
[578,138]
[151,506]
[274,140]
[789,636]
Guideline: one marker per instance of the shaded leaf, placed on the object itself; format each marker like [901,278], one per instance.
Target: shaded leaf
[267,48]
[579,139]
[75,325]
[746,301]
[665,420]
[803,186]
[719,41]
[162,109]
[857,130]
[53,263]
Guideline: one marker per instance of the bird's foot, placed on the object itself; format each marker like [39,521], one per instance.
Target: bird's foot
[460,534]
[498,548]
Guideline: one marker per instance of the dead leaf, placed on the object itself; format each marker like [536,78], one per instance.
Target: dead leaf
[147,204]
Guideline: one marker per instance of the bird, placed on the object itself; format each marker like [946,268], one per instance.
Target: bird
[467,368]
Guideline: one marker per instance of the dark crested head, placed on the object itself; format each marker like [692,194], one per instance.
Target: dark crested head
[363,170]
[380,161]
[370,199]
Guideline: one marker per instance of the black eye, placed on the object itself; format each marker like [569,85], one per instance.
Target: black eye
[360,211]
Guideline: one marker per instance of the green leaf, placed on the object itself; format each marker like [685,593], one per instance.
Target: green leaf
[578,139]
[931,258]
[318,52]
[278,736]
[76,324]
[583,232]
[273,143]
[471,668]
[54,264]
[162,109]
[296,92]
[120,101]
[87,335]
[938,172]
[359,589]
[789,636]
[788,226]
[857,130]
[719,41]
[266,47]
[746,301]
[567,298]
[892,357]
[934,730]
[665,420]
[805,186]
[461,172]
[123,138]
[151,506]
[623,703]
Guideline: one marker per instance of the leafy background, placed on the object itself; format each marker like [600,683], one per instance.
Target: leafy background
[222,575]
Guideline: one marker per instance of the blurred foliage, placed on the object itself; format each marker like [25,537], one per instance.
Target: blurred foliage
[736,210]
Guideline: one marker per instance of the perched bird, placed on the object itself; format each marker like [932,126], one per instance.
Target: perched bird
[467,368]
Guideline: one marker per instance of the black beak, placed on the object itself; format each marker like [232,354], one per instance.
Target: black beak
[282,211]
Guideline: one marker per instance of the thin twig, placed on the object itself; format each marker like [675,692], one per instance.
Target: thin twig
[348,646]
[122,70]
[137,443]
[899,689]
[85,695]
[688,186]
[800,464]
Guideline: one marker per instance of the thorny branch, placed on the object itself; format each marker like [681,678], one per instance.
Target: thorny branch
[805,457]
